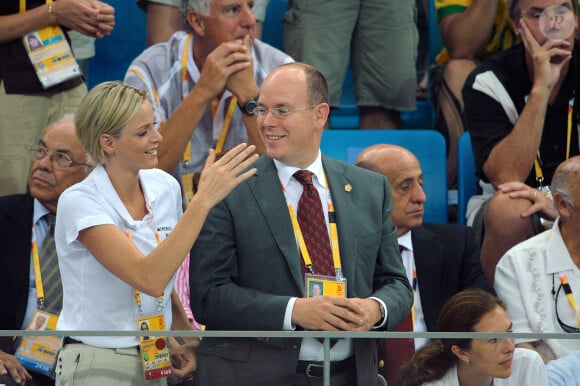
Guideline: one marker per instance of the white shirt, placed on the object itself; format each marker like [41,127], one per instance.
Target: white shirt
[311,349]
[528,369]
[94,298]
[419,325]
[524,279]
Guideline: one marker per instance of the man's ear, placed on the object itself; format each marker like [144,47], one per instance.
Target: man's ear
[196,22]
[561,206]
[322,112]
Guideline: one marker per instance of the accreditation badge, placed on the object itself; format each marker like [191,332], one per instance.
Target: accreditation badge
[38,353]
[319,285]
[51,56]
[154,349]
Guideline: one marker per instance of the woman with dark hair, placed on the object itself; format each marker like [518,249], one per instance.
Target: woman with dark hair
[467,362]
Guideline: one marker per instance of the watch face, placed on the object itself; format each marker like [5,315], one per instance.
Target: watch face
[251,105]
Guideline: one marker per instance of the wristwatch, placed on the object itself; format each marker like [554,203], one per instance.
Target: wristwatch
[250,105]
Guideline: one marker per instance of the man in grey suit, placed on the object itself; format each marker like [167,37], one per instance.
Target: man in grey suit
[440,259]
[247,271]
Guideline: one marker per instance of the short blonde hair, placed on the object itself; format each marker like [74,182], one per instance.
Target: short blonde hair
[106,109]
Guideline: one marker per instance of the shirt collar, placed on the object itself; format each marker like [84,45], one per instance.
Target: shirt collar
[558,258]
[285,172]
[406,241]
[39,211]
[107,190]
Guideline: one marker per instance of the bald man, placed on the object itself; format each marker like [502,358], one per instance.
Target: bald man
[445,257]
[531,277]
[59,162]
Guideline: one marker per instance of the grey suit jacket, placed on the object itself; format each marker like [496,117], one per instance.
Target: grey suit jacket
[245,267]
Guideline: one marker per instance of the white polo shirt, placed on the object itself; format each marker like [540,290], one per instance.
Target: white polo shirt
[93,297]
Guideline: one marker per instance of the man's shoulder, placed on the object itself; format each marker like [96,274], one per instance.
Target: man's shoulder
[453,236]
[160,54]
[530,251]
[504,64]
[270,57]
[441,228]
[12,202]
[332,165]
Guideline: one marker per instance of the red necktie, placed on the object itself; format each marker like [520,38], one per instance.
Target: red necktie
[398,351]
[313,226]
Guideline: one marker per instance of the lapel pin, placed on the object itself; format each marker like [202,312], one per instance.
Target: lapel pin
[347,188]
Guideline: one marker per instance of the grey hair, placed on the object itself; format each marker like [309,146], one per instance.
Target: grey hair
[562,184]
[198,6]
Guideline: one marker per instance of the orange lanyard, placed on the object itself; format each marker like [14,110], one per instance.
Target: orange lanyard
[333,237]
[185,91]
[568,291]
[36,267]
[23,5]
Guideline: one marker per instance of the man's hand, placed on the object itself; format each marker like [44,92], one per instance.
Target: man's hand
[227,59]
[370,315]
[242,83]
[183,360]
[91,18]
[10,365]
[548,58]
[331,313]
[541,204]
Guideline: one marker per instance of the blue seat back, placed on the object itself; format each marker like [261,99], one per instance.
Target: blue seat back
[466,177]
[427,145]
[273,32]
[115,52]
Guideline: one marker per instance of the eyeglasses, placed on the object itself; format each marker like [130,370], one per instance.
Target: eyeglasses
[555,13]
[279,112]
[58,159]
[565,327]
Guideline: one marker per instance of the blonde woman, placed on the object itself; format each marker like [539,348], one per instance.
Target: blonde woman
[121,235]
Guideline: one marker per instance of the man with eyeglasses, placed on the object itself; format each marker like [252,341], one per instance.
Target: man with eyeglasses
[302,219]
[538,279]
[59,162]
[203,84]
[522,113]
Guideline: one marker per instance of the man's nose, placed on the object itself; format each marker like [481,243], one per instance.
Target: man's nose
[419,194]
[248,17]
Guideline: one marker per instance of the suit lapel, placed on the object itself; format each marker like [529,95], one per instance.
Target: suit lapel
[266,188]
[345,210]
[428,254]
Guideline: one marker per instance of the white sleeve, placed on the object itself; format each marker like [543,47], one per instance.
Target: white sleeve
[77,211]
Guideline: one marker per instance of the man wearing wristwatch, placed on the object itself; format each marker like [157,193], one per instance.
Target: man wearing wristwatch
[203,83]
